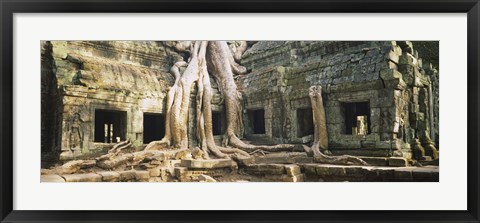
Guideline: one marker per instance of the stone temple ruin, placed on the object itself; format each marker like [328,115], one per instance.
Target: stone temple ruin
[381,104]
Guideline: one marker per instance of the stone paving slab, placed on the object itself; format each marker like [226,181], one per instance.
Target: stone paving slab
[328,172]
[286,178]
[51,178]
[267,169]
[109,176]
[82,177]
[127,175]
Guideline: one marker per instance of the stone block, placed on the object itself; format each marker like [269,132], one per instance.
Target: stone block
[155,172]
[286,178]
[179,171]
[375,161]
[309,169]
[397,161]
[330,170]
[275,169]
[155,179]
[292,170]
[407,58]
[384,174]
[426,174]
[51,178]
[127,175]
[208,164]
[142,175]
[172,163]
[402,175]
[353,171]
[245,161]
[274,160]
[109,176]
[84,177]
[390,74]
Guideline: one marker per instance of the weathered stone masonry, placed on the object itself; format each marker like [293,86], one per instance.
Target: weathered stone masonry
[387,78]
[96,91]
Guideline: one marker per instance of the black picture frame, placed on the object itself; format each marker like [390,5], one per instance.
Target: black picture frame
[9,7]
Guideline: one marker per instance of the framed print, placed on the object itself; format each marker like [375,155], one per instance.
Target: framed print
[242,111]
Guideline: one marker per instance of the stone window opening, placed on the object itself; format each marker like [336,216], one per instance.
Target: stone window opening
[217,123]
[257,121]
[110,126]
[357,118]
[153,127]
[305,125]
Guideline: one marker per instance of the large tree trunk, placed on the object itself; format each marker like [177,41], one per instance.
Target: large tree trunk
[220,64]
[215,58]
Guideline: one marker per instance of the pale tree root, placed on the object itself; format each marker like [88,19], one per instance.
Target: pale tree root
[116,149]
[236,142]
[136,158]
[204,113]
[320,157]
[222,64]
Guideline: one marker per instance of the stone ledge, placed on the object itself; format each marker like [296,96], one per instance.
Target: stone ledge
[327,172]
[208,164]
[109,176]
[51,178]
[267,169]
[85,177]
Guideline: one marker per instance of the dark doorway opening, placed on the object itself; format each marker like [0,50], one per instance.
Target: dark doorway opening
[357,118]
[304,122]
[110,126]
[257,121]
[153,127]
[217,123]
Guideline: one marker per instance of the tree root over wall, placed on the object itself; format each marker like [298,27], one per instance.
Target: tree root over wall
[213,59]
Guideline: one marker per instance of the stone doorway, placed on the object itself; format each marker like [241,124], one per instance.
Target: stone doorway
[304,122]
[153,127]
[110,126]
[357,118]
[257,121]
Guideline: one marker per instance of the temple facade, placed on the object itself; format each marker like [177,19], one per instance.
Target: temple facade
[380,98]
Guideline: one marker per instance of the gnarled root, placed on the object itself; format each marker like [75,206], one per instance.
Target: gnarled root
[236,142]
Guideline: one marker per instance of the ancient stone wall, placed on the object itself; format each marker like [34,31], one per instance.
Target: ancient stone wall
[372,73]
[128,78]
[384,85]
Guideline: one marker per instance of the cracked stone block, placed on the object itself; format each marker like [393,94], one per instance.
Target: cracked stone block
[292,170]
